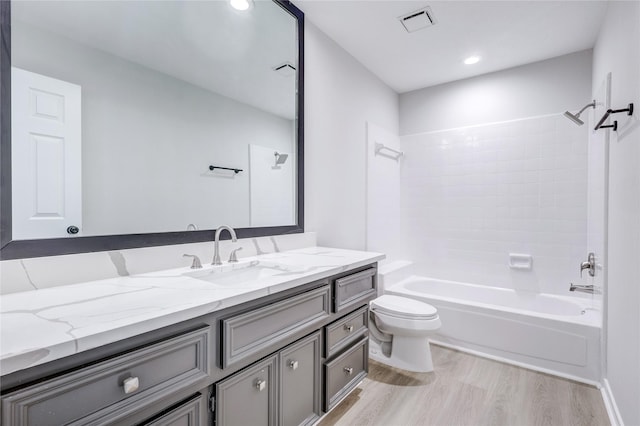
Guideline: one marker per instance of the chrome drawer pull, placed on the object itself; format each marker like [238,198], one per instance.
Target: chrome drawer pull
[131,385]
[348,328]
[293,365]
[348,370]
[261,385]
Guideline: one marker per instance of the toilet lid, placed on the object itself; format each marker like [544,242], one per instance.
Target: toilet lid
[403,307]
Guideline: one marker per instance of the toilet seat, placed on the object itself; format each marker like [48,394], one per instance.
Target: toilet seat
[403,307]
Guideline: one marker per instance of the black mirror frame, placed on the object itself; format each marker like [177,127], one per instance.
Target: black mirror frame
[19,249]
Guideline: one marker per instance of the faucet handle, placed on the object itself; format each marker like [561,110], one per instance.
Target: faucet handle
[196,264]
[233,257]
[589,265]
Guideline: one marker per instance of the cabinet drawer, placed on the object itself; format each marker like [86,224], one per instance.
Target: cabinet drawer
[191,413]
[264,329]
[341,333]
[345,372]
[353,289]
[97,393]
[248,397]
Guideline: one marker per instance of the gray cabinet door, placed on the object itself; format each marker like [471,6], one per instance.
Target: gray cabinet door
[249,397]
[300,382]
[191,413]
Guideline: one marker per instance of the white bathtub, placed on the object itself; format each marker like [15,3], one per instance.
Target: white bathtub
[554,334]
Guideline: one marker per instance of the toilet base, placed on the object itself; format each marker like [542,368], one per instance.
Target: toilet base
[407,353]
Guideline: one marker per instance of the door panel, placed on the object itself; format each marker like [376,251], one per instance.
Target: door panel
[46,156]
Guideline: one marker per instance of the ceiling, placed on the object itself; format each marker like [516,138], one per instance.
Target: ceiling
[204,43]
[504,34]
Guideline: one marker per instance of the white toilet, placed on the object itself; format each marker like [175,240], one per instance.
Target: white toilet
[399,329]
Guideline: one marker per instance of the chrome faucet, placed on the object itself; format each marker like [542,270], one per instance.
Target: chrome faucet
[216,249]
[585,288]
[590,265]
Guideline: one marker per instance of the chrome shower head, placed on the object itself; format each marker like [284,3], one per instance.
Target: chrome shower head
[576,117]
[281,158]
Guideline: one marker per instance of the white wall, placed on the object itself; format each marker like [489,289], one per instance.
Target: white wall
[545,87]
[340,97]
[618,51]
[148,139]
[384,230]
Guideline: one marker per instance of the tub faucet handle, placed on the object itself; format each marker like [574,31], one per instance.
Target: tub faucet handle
[590,265]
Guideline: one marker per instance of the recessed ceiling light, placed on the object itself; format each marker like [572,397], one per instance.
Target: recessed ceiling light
[472,60]
[240,4]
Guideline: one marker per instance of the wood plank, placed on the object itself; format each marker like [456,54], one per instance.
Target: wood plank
[467,390]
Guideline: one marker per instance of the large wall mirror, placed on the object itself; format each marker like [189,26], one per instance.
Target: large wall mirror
[142,123]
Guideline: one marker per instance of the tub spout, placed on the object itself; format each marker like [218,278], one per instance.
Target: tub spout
[585,288]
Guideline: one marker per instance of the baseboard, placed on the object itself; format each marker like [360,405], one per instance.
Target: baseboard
[517,364]
[610,404]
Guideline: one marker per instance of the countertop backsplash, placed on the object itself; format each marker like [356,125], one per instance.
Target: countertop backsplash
[45,272]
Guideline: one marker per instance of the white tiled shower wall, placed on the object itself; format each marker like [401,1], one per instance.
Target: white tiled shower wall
[470,196]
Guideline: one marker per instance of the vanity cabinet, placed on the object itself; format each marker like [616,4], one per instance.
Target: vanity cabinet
[193,412]
[282,359]
[283,389]
[109,391]
[300,382]
[248,397]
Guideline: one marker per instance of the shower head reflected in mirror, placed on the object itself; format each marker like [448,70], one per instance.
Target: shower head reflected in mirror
[576,117]
[280,159]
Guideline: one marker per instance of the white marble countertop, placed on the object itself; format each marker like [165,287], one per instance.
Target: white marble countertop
[43,325]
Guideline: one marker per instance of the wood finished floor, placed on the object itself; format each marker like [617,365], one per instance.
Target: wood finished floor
[468,390]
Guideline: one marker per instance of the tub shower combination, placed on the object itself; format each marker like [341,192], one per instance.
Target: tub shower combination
[555,334]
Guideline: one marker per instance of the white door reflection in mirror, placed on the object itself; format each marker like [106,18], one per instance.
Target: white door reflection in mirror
[46,156]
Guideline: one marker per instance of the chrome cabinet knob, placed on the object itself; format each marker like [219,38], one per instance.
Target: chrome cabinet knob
[293,364]
[261,385]
[348,328]
[348,370]
[131,385]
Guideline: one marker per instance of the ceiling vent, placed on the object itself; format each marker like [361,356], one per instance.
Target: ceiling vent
[418,20]
[285,69]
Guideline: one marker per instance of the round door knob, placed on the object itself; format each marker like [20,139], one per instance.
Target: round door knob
[72,230]
[131,385]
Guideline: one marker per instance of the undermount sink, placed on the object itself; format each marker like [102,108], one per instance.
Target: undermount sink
[243,273]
